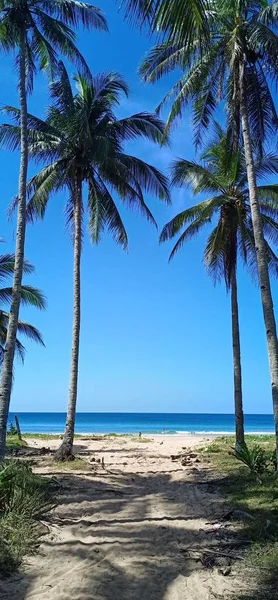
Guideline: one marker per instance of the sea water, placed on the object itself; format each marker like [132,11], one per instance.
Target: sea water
[148,423]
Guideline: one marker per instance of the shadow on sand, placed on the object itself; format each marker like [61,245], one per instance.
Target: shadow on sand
[124,536]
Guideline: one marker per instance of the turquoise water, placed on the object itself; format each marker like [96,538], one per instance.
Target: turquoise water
[145,422]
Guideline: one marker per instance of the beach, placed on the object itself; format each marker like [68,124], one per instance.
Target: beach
[129,514]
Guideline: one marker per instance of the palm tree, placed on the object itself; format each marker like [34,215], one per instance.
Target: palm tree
[223,175]
[30,296]
[37,29]
[83,142]
[178,18]
[236,65]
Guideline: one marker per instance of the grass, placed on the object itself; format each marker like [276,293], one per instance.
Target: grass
[24,499]
[54,436]
[13,443]
[244,492]
[78,464]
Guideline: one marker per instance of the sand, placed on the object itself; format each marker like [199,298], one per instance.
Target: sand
[128,531]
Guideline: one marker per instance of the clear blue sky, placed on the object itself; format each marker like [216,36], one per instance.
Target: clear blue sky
[155,337]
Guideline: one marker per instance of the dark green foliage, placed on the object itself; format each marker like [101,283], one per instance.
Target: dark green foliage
[24,499]
[30,296]
[22,491]
[12,430]
[256,458]
[178,19]
[257,496]
[48,31]
[221,174]
[97,158]
[242,45]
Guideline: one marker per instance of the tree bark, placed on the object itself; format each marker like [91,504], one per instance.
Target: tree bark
[239,417]
[18,427]
[65,450]
[7,366]
[264,280]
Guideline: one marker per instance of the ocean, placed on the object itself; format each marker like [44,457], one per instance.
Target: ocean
[148,423]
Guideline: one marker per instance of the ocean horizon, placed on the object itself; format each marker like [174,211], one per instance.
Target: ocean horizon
[147,423]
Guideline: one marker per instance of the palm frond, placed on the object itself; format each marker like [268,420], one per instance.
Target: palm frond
[204,209]
[191,231]
[140,125]
[197,176]
[178,19]
[30,296]
[103,213]
[146,176]
[75,13]
[30,332]
[7,266]
[214,253]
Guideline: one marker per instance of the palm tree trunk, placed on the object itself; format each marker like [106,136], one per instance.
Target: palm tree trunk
[266,296]
[237,362]
[65,450]
[7,367]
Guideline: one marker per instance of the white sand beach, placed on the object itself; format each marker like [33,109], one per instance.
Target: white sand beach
[127,529]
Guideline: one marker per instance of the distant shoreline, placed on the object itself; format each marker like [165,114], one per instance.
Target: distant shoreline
[180,434]
[170,424]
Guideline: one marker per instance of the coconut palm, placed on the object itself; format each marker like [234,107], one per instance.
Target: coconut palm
[30,296]
[83,142]
[37,30]
[178,18]
[222,175]
[237,66]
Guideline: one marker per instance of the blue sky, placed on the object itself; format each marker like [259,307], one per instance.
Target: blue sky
[155,337]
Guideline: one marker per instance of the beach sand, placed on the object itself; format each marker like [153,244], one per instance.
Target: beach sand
[127,530]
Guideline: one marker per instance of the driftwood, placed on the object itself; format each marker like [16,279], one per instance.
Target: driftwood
[184,456]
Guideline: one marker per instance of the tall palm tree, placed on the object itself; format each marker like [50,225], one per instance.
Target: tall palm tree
[83,142]
[37,30]
[236,65]
[223,175]
[30,296]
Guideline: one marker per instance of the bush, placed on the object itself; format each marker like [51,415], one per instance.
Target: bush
[24,499]
[257,459]
[12,430]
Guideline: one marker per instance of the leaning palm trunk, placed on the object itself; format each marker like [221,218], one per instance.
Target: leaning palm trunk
[237,363]
[267,302]
[65,450]
[7,367]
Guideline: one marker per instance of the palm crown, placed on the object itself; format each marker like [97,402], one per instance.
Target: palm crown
[222,175]
[47,27]
[83,140]
[29,296]
[240,34]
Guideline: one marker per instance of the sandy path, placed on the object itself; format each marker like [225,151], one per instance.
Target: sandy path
[121,533]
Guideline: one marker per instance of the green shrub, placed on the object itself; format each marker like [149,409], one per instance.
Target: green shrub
[24,499]
[258,460]
[12,430]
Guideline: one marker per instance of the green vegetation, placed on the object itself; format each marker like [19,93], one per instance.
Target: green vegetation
[258,498]
[232,66]
[30,296]
[123,175]
[223,169]
[78,464]
[24,499]
[226,55]
[13,443]
[36,34]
